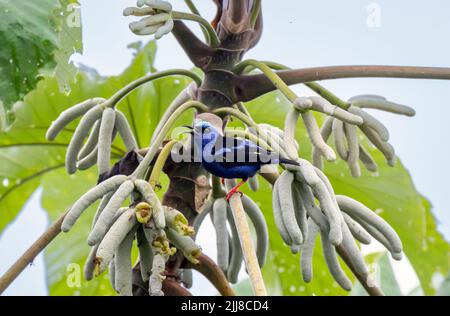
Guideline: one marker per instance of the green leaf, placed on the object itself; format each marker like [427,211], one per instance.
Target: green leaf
[390,192]
[36,36]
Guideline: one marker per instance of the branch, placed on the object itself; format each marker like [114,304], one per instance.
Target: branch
[248,250]
[29,255]
[171,287]
[208,268]
[253,86]
[372,289]
[198,52]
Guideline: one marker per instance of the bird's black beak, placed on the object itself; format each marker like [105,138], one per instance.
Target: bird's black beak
[190,129]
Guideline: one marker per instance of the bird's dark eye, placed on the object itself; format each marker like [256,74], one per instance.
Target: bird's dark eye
[207,130]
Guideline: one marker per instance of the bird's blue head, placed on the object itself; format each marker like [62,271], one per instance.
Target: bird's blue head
[206,131]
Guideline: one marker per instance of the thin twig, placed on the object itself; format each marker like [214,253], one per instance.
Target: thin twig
[32,252]
[248,249]
[210,270]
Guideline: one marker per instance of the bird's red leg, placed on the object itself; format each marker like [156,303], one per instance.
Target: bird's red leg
[222,180]
[236,189]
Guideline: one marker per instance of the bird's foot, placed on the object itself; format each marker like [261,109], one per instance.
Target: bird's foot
[232,192]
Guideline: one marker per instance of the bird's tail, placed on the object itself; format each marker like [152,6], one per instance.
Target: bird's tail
[288,161]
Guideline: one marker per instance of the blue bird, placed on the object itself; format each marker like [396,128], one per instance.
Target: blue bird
[230,158]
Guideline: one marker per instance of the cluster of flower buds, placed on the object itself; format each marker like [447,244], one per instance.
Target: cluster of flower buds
[229,251]
[158,18]
[338,219]
[346,138]
[160,231]
[100,124]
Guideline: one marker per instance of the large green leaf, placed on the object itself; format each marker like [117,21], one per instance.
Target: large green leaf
[390,192]
[36,35]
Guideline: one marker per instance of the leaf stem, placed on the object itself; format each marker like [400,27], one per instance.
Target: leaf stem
[154,146]
[214,39]
[256,10]
[160,162]
[319,89]
[195,11]
[270,74]
[119,95]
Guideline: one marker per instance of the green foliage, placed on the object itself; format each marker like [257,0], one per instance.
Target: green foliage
[37,36]
[29,162]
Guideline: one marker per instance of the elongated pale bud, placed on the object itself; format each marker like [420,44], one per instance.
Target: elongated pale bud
[353,251]
[145,254]
[165,29]
[123,267]
[145,189]
[253,183]
[156,4]
[177,221]
[290,126]
[79,135]
[358,210]
[371,122]
[351,134]
[321,105]
[152,20]
[325,131]
[316,138]
[124,129]
[104,140]
[107,216]
[357,231]
[339,139]
[237,256]
[220,225]
[112,274]
[261,230]
[381,103]
[300,210]
[90,264]
[91,159]
[89,198]
[277,215]
[138,11]
[386,149]
[185,244]
[91,143]
[367,159]
[113,238]
[101,207]
[287,207]
[157,277]
[70,115]
[333,264]
[308,251]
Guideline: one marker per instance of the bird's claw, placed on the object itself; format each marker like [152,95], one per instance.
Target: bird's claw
[232,192]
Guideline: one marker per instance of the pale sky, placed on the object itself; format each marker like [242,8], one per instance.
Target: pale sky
[300,33]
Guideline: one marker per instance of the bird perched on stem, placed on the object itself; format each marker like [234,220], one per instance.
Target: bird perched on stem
[227,157]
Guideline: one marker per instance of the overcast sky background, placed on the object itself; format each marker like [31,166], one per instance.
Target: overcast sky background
[299,33]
